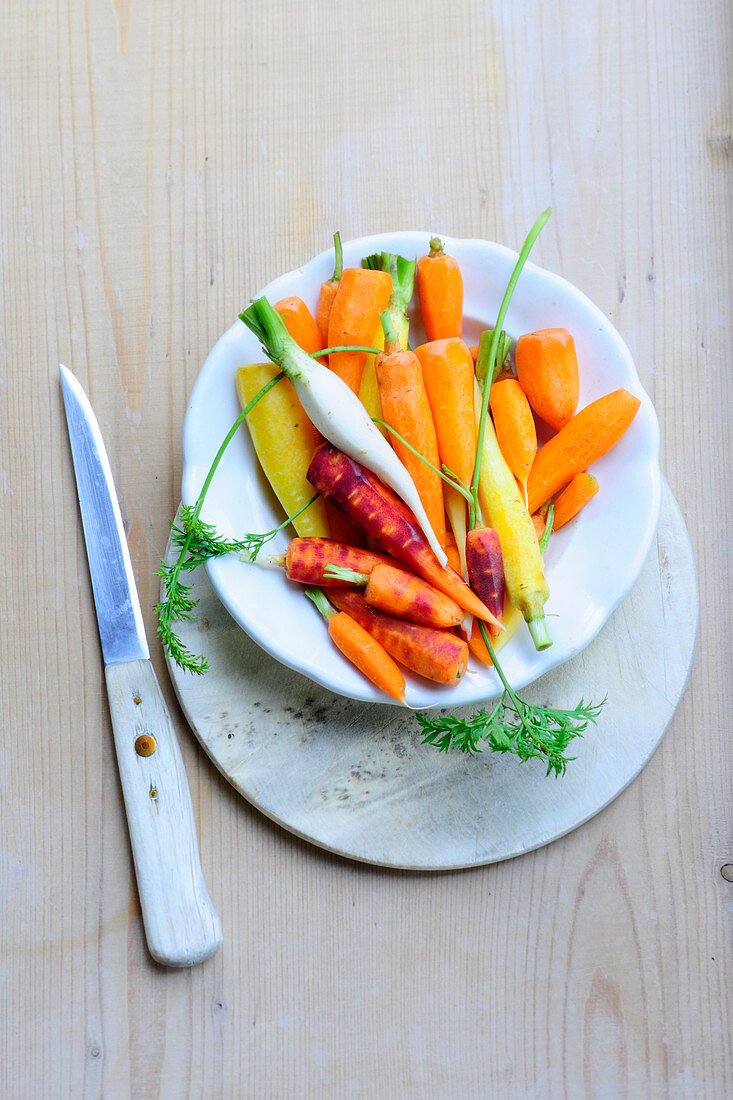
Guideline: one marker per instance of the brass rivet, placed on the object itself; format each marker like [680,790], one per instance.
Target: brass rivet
[145,745]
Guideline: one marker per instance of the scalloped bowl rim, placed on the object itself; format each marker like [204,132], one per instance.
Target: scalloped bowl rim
[632,464]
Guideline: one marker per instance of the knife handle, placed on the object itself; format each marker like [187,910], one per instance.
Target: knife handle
[181,924]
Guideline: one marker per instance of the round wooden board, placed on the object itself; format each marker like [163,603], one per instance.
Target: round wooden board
[354,778]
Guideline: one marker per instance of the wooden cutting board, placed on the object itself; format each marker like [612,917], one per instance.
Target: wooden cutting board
[354,778]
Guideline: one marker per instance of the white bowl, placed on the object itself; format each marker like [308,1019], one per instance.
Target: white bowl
[590,564]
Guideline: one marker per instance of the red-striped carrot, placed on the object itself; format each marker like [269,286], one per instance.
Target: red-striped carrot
[405,407]
[584,439]
[361,648]
[358,493]
[361,296]
[306,559]
[402,594]
[440,292]
[486,569]
[438,655]
[300,324]
[328,291]
[574,496]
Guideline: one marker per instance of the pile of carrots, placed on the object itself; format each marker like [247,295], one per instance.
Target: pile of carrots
[389,601]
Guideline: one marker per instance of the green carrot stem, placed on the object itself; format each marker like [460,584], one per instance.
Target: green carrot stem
[449,477]
[338,267]
[341,573]
[345,347]
[321,602]
[436,247]
[493,347]
[391,339]
[549,520]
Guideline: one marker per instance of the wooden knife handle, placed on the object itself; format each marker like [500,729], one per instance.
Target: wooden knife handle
[181,925]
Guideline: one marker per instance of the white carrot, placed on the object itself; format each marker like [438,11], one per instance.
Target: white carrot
[336,411]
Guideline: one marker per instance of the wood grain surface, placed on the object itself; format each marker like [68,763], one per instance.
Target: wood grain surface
[160,162]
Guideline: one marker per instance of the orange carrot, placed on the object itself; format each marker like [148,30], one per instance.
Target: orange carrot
[539,522]
[440,293]
[447,372]
[306,558]
[328,291]
[436,654]
[402,594]
[360,298]
[405,407]
[584,439]
[574,497]
[514,426]
[300,324]
[359,647]
[547,369]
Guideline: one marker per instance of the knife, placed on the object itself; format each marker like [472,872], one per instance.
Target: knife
[181,925]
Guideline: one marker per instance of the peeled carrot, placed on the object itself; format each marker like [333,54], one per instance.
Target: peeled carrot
[359,647]
[361,296]
[361,496]
[584,439]
[574,497]
[438,655]
[547,369]
[300,324]
[306,559]
[447,371]
[328,291]
[440,293]
[514,427]
[405,407]
[402,594]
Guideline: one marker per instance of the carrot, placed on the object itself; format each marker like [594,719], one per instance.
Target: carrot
[547,369]
[584,439]
[486,569]
[359,647]
[574,496]
[405,408]
[361,496]
[402,594]
[447,371]
[328,291]
[360,298]
[438,655]
[514,427]
[306,559]
[342,529]
[440,293]
[300,323]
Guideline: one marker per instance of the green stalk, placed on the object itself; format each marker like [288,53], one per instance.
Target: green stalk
[321,602]
[341,573]
[493,348]
[402,273]
[338,267]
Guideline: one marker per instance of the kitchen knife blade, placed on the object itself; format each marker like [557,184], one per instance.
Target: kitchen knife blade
[181,925]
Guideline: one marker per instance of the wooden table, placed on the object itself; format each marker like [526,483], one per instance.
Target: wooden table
[160,163]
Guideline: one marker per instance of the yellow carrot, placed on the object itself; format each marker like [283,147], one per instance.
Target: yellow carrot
[284,440]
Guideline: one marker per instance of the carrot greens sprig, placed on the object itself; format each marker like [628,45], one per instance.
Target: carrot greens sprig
[513,725]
